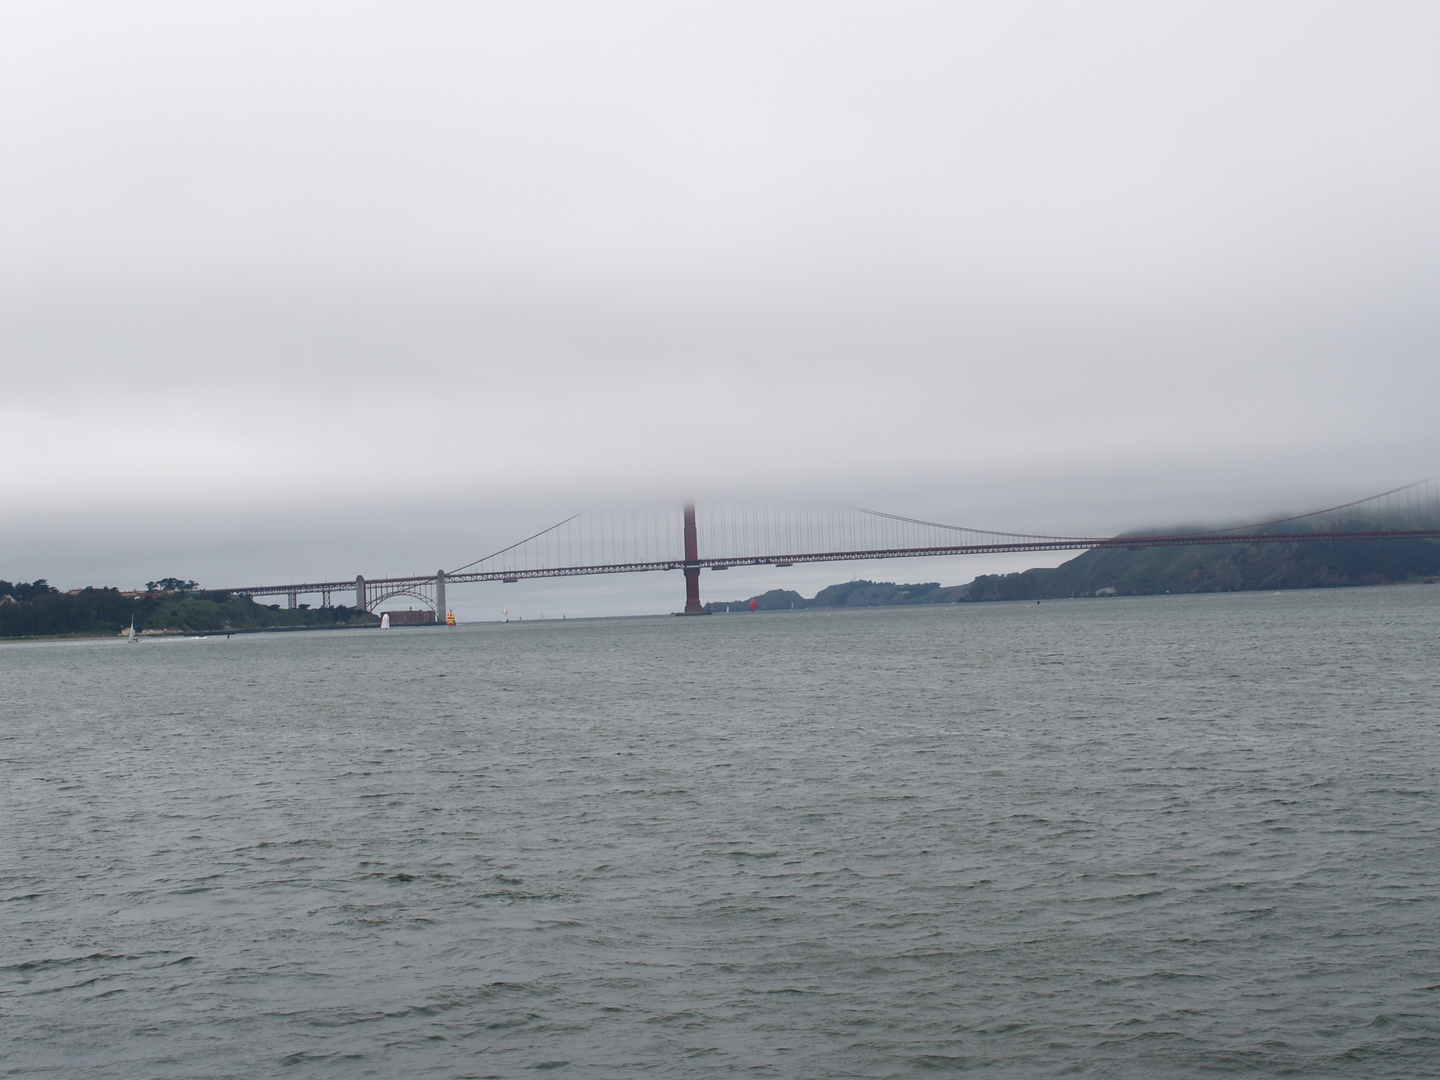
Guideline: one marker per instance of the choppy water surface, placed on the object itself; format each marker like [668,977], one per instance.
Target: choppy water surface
[1163,837]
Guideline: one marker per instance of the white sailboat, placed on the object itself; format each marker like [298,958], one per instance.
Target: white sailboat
[132,629]
[385,621]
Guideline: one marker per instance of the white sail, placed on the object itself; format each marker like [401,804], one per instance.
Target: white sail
[385,621]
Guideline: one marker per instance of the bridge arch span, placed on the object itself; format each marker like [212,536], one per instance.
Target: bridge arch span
[417,592]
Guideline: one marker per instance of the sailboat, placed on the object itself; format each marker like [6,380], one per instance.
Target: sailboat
[505,615]
[385,621]
[132,629]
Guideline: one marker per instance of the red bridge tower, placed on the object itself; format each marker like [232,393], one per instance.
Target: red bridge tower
[692,567]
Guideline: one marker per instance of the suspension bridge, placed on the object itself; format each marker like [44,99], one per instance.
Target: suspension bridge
[720,537]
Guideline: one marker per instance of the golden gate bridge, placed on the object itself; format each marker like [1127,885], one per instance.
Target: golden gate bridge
[720,537]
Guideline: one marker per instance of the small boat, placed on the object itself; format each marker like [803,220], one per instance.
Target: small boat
[505,615]
[450,617]
[385,621]
[132,630]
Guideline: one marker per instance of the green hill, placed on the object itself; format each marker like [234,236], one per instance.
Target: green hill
[1219,568]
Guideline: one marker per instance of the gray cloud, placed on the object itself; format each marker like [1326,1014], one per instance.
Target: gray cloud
[270,267]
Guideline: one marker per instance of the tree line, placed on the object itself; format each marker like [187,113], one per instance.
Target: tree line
[37,609]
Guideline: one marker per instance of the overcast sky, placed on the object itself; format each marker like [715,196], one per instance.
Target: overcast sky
[295,289]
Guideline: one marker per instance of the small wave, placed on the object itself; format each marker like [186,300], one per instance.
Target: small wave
[65,961]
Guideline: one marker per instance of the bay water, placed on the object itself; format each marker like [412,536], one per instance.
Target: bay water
[1158,837]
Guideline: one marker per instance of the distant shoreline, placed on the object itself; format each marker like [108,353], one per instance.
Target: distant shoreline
[178,635]
[1103,572]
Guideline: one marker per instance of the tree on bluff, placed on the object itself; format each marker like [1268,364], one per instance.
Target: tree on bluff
[170,584]
[22,593]
[38,613]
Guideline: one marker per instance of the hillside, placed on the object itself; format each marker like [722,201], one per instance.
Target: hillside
[1219,568]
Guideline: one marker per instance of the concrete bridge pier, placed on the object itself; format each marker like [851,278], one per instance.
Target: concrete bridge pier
[360,592]
[440,608]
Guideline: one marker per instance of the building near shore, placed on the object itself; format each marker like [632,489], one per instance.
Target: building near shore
[411,618]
